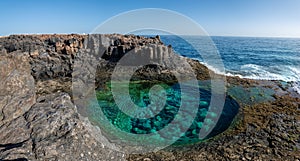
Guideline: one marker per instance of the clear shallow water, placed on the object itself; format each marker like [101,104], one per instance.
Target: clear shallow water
[139,93]
[248,57]
[256,58]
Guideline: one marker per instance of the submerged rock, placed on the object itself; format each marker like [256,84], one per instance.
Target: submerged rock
[39,121]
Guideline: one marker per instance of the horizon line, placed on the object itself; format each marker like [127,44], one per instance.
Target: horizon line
[246,36]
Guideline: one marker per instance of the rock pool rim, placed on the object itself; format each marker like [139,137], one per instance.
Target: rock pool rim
[216,82]
[229,113]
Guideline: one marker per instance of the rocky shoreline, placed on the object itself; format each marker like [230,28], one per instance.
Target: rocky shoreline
[39,121]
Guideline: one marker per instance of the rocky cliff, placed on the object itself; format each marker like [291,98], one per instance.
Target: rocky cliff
[39,121]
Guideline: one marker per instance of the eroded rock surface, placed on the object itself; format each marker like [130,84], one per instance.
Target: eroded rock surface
[17,94]
[268,131]
[39,121]
[53,130]
[46,128]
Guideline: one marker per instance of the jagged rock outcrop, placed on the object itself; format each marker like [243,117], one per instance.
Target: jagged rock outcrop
[46,128]
[49,127]
[53,130]
[52,56]
[39,121]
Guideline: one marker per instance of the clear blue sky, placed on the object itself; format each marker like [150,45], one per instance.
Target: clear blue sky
[280,18]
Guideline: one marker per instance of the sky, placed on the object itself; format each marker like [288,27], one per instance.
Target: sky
[263,18]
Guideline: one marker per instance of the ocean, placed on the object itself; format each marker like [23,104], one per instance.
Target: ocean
[255,58]
[248,57]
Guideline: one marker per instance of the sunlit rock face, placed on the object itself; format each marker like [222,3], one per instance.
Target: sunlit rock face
[40,121]
[151,63]
[17,86]
[39,126]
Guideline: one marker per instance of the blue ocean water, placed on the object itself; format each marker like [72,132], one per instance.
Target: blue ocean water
[248,57]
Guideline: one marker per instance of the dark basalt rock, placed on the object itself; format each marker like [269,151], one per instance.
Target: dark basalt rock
[38,120]
[46,128]
[53,130]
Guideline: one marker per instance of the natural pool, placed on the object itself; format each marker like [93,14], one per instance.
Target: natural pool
[153,121]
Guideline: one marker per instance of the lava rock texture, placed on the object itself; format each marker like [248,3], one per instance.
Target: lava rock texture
[39,121]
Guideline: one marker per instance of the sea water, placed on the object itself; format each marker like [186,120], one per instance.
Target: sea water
[255,58]
[248,57]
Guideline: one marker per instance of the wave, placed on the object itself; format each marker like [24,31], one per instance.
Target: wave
[254,71]
[296,86]
[215,70]
[270,59]
[283,73]
[258,72]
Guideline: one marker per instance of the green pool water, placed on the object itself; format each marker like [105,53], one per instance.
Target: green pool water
[157,119]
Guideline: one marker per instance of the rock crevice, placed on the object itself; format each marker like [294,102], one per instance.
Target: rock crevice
[39,121]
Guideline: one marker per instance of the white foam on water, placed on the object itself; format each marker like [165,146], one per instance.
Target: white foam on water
[257,72]
[296,87]
[254,71]
[215,70]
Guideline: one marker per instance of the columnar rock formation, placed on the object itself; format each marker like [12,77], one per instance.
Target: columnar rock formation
[39,121]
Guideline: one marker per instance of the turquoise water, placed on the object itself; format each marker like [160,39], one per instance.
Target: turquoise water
[257,58]
[139,94]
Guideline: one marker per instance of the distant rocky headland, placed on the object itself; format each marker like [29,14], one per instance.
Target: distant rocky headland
[39,119]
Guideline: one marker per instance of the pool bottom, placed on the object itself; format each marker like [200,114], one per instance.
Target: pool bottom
[141,95]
